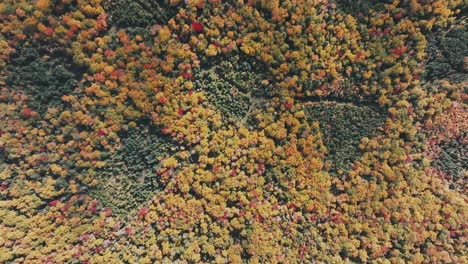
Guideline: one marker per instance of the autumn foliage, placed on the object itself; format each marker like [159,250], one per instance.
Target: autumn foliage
[207,131]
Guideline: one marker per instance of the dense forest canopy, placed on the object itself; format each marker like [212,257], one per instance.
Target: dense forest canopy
[208,131]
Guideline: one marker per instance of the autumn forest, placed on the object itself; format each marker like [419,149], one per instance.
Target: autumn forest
[238,131]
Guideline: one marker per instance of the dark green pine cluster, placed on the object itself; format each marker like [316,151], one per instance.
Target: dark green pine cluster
[356,7]
[453,160]
[139,13]
[233,85]
[129,179]
[44,72]
[343,125]
[447,52]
